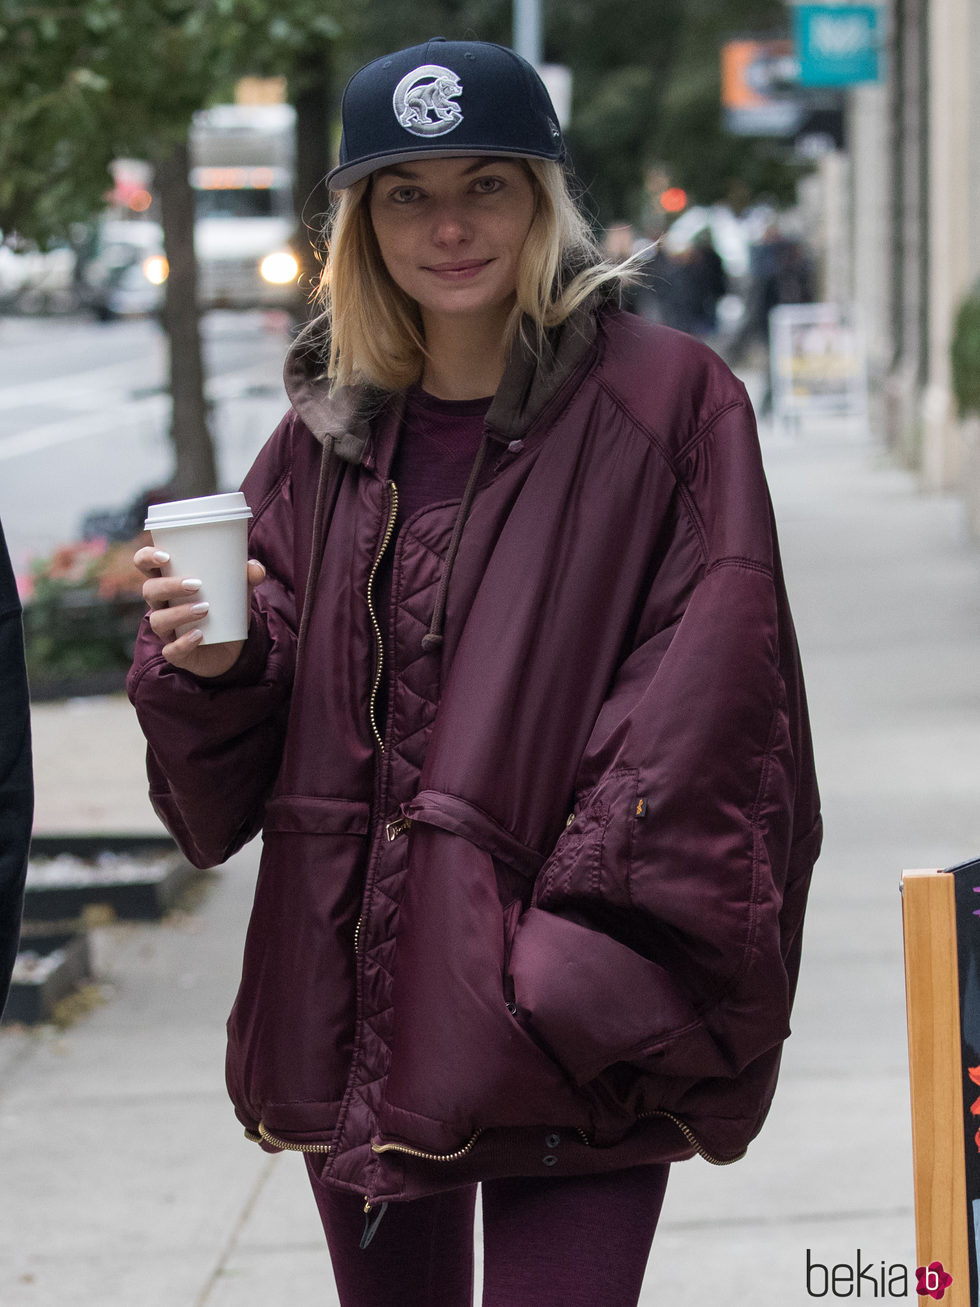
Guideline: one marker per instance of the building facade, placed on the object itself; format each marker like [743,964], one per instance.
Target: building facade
[914,160]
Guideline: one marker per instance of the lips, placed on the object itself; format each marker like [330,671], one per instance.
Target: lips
[458,271]
[461,265]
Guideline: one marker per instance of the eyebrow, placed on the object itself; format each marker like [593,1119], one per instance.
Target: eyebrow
[407,175]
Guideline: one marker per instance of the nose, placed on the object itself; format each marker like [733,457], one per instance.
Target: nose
[450,226]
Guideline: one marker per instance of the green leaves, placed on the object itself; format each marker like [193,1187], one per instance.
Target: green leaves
[965,358]
[87,81]
[647,93]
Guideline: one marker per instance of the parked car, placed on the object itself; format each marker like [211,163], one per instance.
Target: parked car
[122,270]
[36,281]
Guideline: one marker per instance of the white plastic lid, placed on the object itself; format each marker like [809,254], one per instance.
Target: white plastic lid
[195,512]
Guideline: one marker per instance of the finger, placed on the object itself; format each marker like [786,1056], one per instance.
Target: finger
[180,650]
[164,622]
[150,560]
[169,591]
[255,572]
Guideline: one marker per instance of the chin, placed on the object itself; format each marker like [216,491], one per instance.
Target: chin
[468,306]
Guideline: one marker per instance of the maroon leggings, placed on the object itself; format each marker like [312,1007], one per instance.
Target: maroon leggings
[570,1242]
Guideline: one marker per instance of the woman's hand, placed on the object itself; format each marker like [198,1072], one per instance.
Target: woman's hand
[173,602]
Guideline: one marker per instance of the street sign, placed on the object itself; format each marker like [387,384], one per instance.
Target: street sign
[557,79]
[836,45]
[759,90]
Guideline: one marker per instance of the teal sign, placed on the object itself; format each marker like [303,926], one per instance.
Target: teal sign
[836,45]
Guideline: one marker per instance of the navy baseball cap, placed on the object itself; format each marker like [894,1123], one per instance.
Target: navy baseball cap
[455,98]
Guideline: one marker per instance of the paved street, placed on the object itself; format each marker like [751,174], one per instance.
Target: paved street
[126,1181]
[84,414]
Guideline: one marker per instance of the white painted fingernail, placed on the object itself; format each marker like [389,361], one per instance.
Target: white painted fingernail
[200,609]
[160,557]
[195,636]
[190,583]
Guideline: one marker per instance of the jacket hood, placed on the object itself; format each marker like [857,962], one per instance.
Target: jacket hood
[340,418]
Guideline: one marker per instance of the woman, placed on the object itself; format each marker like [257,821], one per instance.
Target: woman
[16,776]
[520,718]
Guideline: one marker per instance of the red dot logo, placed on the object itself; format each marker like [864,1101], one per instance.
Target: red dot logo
[932,1281]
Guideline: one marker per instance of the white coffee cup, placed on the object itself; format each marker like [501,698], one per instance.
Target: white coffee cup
[206,538]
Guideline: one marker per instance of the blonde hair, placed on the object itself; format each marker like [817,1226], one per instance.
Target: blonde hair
[375,329]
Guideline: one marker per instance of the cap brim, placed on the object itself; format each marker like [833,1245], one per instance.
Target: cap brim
[346,174]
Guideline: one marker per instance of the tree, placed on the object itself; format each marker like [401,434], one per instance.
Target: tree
[620,53]
[647,91]
[88,81]
[705,159]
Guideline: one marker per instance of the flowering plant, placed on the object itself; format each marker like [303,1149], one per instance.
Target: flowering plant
[92,565]
[81,608]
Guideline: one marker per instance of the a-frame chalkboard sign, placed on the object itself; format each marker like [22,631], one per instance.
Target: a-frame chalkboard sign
[941,912]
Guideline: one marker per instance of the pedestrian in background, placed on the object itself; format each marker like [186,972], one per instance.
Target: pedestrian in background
[16,776]
[519,715]
[780,272]
[709,283]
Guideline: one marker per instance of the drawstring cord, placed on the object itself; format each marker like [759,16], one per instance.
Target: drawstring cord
[322,512]
[433,637]
[373,1217]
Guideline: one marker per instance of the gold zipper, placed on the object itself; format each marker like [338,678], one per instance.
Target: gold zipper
[357,933]
[395,828]
[685,1130]
[449,1157]
[389,531]
[427,1157]
[693,1140]
[286,1145]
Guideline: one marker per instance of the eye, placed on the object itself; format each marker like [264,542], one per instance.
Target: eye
[404,194]
[488,185]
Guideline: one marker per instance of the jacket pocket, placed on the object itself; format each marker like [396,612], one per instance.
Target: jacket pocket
[596,1002]
[592,859]
[460,1060]
[291,1029]
[300,814]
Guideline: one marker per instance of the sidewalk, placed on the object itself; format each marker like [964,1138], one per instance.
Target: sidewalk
[126,1180]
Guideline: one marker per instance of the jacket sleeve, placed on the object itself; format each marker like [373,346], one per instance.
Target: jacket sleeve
[16,780]
[214,744]
[665,925]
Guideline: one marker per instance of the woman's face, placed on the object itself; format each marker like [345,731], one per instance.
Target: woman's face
[451,232]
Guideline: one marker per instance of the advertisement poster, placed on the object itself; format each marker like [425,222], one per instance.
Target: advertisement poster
[759,89]
[818,362]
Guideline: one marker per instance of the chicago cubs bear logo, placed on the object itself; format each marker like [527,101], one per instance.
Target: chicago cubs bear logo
[423,101]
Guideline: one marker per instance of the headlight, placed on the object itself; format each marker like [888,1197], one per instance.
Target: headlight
[156,269]
[279,268]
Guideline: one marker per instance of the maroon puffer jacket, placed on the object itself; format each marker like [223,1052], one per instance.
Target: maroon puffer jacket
[546,917]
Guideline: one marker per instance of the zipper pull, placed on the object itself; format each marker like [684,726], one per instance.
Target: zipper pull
[396,828]
[372,1219]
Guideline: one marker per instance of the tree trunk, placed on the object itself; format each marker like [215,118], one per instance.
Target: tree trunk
[311,96]
[195,472]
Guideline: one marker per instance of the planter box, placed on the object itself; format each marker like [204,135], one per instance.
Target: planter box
[79,643]
[140,878]
[47,969]
[48,686]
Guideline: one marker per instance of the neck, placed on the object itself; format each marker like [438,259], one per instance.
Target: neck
[465,356]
